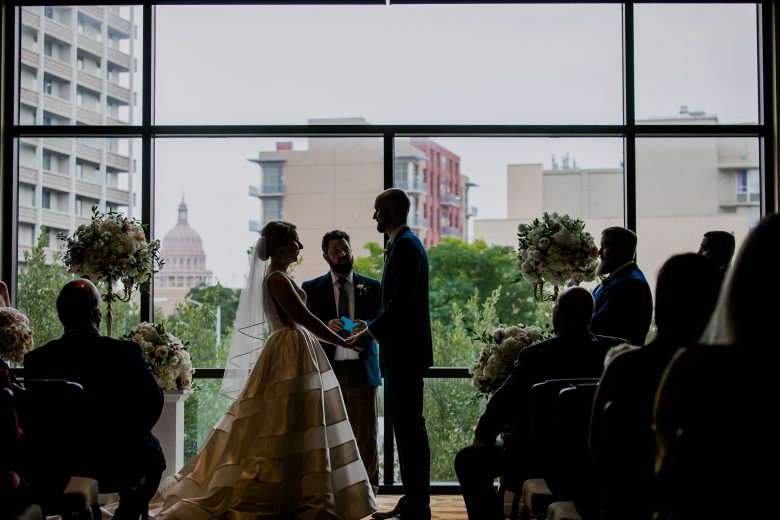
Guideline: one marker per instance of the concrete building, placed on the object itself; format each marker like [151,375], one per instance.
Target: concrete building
[333,184]
[185,264]
[76,68]
[685,187]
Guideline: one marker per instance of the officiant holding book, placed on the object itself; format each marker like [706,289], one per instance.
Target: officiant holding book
[345,301]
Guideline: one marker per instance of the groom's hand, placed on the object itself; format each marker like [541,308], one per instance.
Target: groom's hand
[336,325]
[353,344]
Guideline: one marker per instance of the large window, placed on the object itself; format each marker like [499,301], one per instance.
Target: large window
[206,121]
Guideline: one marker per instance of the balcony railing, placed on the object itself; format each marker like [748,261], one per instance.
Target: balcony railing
[416,186]
[473,211]
[416,222]
[450,231]
[266,191]
[450,199]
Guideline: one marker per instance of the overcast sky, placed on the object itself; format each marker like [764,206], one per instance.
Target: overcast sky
[482,64]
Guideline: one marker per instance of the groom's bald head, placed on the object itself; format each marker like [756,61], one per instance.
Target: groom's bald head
[391,208]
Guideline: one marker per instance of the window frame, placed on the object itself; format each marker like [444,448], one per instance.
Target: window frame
[147,132]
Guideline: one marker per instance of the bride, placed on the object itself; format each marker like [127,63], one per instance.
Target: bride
[285,447]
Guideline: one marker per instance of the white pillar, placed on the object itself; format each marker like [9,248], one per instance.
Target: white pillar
[170,430]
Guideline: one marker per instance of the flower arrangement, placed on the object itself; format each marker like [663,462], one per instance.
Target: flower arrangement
[16,336]
[112,247]
[170,361]
[556,250]
[498,354]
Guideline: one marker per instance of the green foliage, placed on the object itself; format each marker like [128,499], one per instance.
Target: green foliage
[450,409]
[225,297]
[39,284]
[373,264]
[458,268]
[194,322]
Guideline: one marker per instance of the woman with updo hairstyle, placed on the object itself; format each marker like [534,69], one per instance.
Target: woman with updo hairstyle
[285,447]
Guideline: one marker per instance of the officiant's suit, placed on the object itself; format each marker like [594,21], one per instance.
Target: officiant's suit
[403,330]
[358,378]
[125,402]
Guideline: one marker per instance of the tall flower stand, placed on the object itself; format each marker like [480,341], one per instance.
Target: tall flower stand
[170,430]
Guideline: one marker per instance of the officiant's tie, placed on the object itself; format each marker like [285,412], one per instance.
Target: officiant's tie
[343,298]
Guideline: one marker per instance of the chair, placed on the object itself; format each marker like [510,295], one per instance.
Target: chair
[55,419]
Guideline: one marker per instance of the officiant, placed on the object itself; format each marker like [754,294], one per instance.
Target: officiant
[345,299]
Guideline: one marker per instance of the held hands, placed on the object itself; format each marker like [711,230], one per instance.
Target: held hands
[359,341]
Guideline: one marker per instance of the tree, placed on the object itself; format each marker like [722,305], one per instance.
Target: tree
[194,322]
[457,269]
[373,264]
[224,297]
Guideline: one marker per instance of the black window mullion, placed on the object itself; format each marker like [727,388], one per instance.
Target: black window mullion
[629,119]
[147,143]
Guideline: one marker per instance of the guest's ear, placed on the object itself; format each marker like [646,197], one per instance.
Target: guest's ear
[98,316]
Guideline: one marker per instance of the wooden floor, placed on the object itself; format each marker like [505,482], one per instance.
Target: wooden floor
[443,507]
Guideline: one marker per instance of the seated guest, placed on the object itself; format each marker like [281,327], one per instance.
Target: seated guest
[623,448]
[121,393]
[718,246]
[715,414]
[15,494]
[624,304]
[573,353]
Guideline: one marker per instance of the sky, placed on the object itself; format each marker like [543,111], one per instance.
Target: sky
[481,64]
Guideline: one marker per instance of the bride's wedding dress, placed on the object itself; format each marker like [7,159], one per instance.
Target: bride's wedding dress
[285,446]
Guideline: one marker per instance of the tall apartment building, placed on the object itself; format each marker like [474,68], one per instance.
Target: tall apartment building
[77,66]
[334,182]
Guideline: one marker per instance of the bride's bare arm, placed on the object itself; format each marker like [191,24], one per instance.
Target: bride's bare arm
[283,292]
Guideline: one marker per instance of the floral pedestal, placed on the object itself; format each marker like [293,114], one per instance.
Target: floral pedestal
[170,430]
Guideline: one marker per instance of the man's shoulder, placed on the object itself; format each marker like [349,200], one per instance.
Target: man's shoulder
[315,281]
[608,341]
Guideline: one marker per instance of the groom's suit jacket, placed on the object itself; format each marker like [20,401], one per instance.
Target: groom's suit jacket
[403,327]
[321,302]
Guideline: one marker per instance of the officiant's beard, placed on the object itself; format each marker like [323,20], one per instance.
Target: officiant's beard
[343,266]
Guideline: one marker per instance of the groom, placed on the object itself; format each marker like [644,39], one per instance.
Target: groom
[403,330]
[343,292]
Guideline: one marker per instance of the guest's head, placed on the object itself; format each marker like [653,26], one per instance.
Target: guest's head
[337,251]
[572,311]
[78,305]
[749,301]
[618,247]
[391,209]
[718,246]
[685,296]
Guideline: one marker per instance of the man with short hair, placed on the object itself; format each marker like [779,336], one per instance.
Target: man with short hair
[575,352]
[624,303]
[343,293]
[403,330]
[121,392]
[719,247]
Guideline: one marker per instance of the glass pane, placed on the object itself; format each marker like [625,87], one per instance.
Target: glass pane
[213,197]
[79,65]
[60,180]
[202,410]
[696,63]
[469,195]
[436,64]
[686,187]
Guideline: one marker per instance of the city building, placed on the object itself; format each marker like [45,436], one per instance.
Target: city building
[685,188]
[185,264]
[76,67]
[333,184]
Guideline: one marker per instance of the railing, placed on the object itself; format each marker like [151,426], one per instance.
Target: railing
[450,199]
[416,186]
[266,191]
[418,222]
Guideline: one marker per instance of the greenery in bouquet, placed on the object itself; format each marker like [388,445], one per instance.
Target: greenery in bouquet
[112,247]
[16,335]
[498,353]
[168,356]
[556,250]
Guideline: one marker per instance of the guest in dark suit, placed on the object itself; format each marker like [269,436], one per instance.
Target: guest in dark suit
[121,393]
[573,353]
[719,247]
[343,292]
[622,441]
[403,330]
[624,304]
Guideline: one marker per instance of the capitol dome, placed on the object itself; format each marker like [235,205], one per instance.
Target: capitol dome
[185,259]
